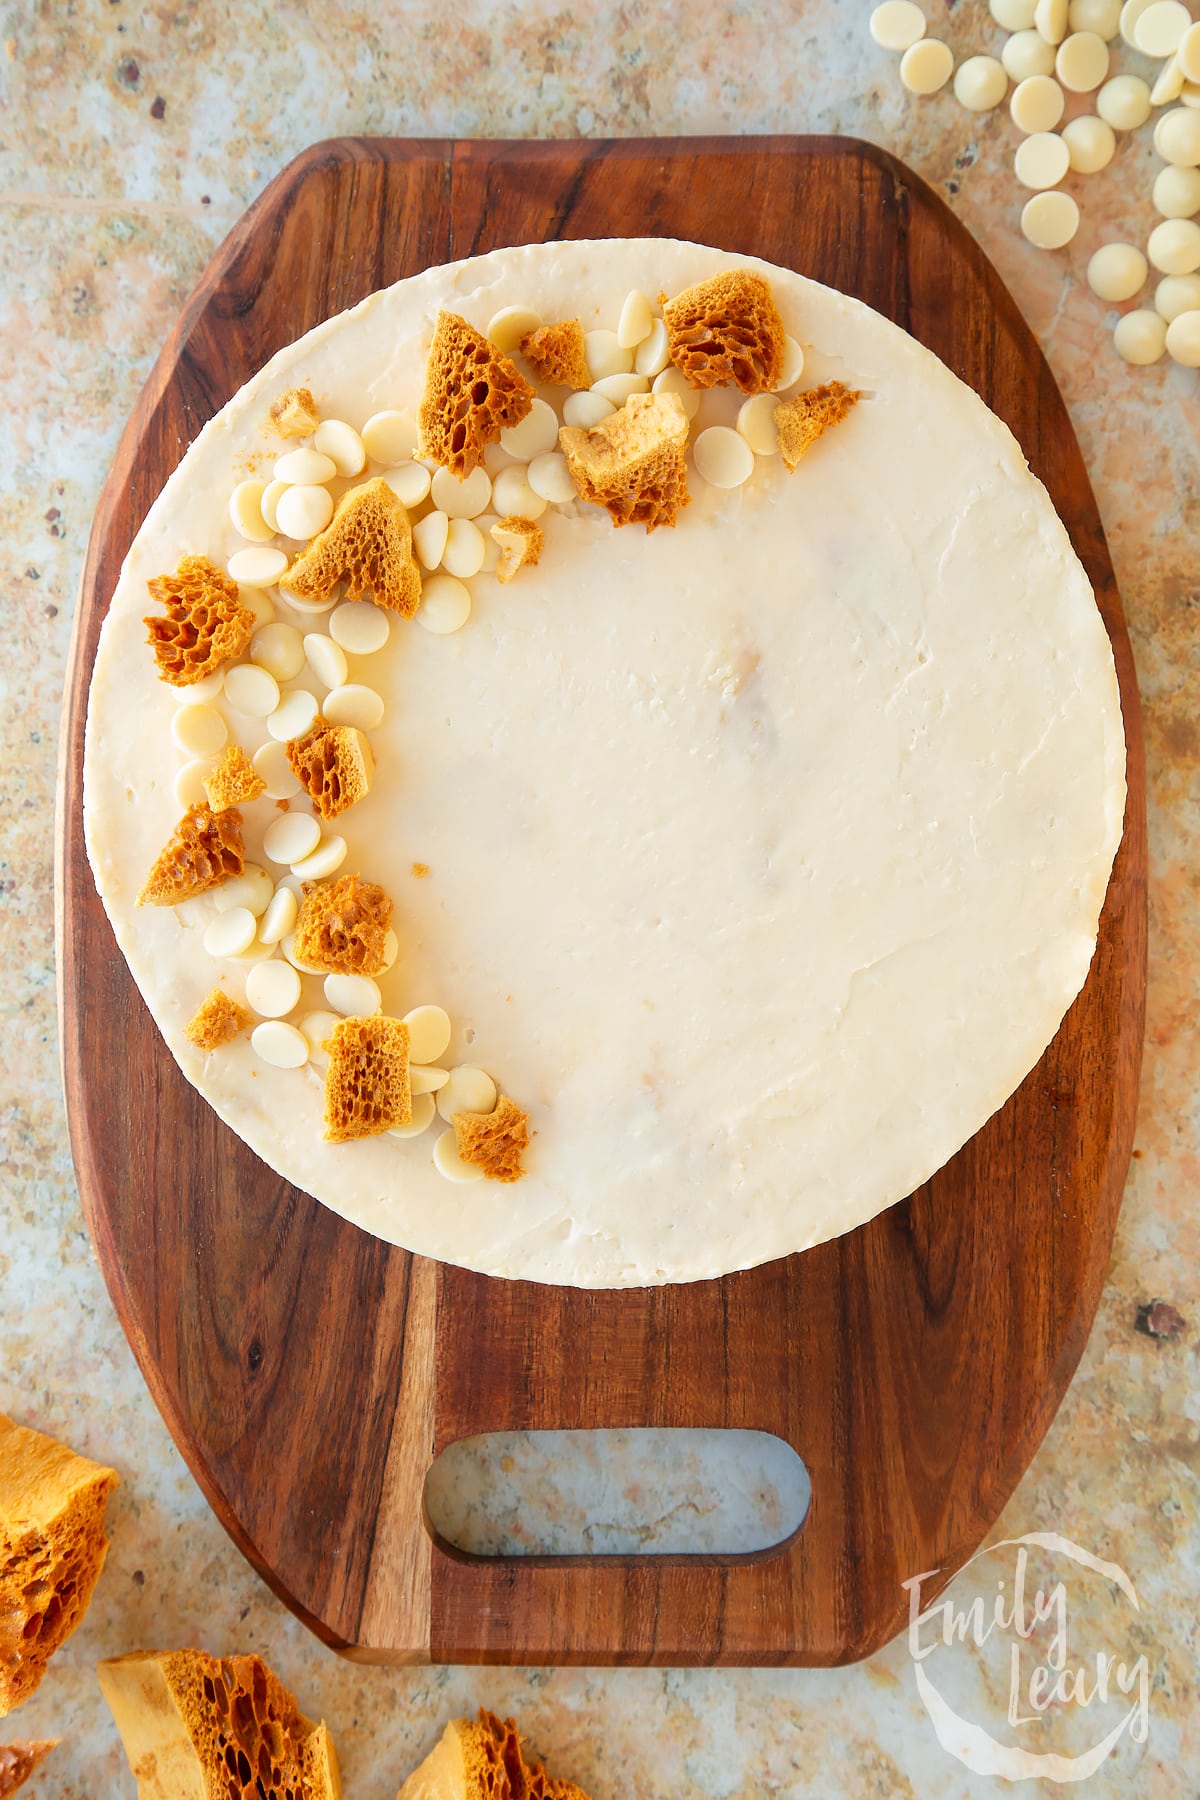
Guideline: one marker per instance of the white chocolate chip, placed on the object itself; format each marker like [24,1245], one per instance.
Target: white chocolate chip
[427,1081]
[1177,294]
[636,321]
[429,538]
[537,433]
[980,83]
[1101,16]
[252,889]
[463,499]
[585,409]
[273,988]
[354,996]
[1131,12]
[316,1027]
[1041,160]
[1177,137]
[360,627]
[926,66]
[309,607]
[449,1163]
[279,919]
[722,457]
[1160,30]
[1169,83]
[1050,220]
[230,932]
[199,731]
[189,784]
[279,1044]
[303,511]
[673,381]
[1189,53]
[618,388]
[1050,20]
[290,837]
[390,437]
[1037,104]
[410,482]
[550,477]
[1124,102]
[1082,61]
[1190,93]
[651,356]
[423,1112]
[445,605]
[326,859]
[1027,54]
[259,566]
[605,356]
[353,703]
[200,693]
[756,423]
[491,550]
[1090,143]
[1183,339]
[1140,337]
[793,366]
[391,949]
[279,649]
[428,1033]
[293,716]
[245,509]
[255,953]
[304,468]
[1174,246]
[507,327]
[1117,272]
[512,496]
[1013,15]
[269,500]
[271,763]
[342,445]
[251,690]
[468,1090]
[897,24]
[326,659]
[463,555]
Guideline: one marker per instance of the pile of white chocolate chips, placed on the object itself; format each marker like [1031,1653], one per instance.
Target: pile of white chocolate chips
[1073,96]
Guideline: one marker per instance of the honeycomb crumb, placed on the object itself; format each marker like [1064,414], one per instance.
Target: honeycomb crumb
[342,926]
[420,870]
[521,543]
[234,780]
[333,764]
[368,546]
[494,1141]
[806,417]
[18,1761]
[205,622]
[367,1089]
[294,414]
[226,1729]
[726,330]
[633,462]
[216,1021]
[205,850]
[473,392]
[484,1759]
[557,354]
[52,1549]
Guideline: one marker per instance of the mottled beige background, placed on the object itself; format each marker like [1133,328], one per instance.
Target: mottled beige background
[132,136]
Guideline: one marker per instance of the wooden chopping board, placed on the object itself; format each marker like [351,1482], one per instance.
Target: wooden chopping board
[310,1373]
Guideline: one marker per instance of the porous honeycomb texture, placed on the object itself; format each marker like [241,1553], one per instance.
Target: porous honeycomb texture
[726,330]
[342,926]
[204,622]
[205,850]
[472,393]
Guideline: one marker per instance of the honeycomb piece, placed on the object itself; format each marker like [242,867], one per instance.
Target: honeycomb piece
[205,850]
[294,414]
[217,1021]
[333,764]
[556,353]
[634,461]
[520,542]
[495,1141]
[726,330]
[234,780]
[473,392]
[19,1760]
[342,926]
[804,418]
[368,545]
[205,623]
[484,1759]
[367,1088]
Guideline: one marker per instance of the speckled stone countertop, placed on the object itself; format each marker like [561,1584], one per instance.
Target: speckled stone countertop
[131,139]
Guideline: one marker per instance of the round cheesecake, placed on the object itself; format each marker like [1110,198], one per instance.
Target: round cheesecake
[758,858]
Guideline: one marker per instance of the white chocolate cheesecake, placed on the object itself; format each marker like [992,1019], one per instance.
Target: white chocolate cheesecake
[758,859]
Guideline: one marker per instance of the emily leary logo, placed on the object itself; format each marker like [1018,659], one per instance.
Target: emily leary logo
[1049,1690]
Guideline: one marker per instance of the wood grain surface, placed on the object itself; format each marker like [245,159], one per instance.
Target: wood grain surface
[310,1373]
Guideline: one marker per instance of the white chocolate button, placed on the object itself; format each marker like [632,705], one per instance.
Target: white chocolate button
[354,704]
[1174,246]
[1124,102]
[1189,53]
[756,423]
[449,1163]
[1037,104]
[279,1044]
[1050,20]
[463,555]
[468,1090]
[1042,160]
[303,511]
[1160,30]
[926,66]
[429,538]
[426,1080]
[279,919]
[1140,337]
[293,716]
[618,388]
[200,693]
[269,500]
[1117,272]
[637,318]
[1101,16]
[279,649]
[585,409]
[1131,12]
[270,761]
[326,859]
[354,996]
[360,627]
[230,932]
[199,730]
[189,785]
[1013,15]
[1090,143]
[252,889]
[980,83]
[245,509]
[793,366]
[1169,84]
[390,437]
[507,327]
[255,953]
[550,477]
[1190,95]
[897,24]
[251,690]
[259,566]
[290,837]
[1177,294]
[423,1113]
[1082,61]
[342,445]
[391,949]
[445,605]
[428,1033]
[673,381]
[317,1027]
[304,468]
[273,988]
[463,499]
[1050,220]
[1177,137]
[512,496]
[410,482]
[288,946]
[723,457]
[491,550]
[652,354]
[326,658]
[537,433]
[1183,339]
[1027,54]
[605,356]
[308,607]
